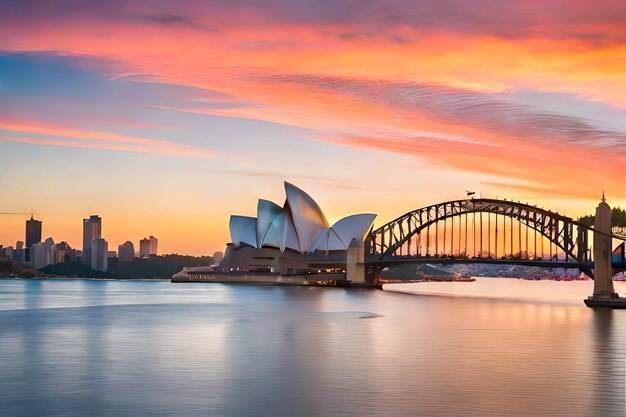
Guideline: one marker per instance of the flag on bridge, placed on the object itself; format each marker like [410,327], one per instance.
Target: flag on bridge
[470,193]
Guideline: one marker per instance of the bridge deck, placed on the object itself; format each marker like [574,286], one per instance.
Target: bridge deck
[449,261]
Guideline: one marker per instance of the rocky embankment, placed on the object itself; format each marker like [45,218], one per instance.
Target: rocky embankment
[10,269]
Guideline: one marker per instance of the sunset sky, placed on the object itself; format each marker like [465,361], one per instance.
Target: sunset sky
[166,117]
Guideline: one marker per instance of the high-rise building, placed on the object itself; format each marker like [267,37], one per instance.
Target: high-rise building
[6,252]
[148,246]
[19,254]
[126,252]
[43,254]
[65,250]
[37,255]
[144,248]
[33,234]
[92,229]
[33,231]
[154,242]
[99,254]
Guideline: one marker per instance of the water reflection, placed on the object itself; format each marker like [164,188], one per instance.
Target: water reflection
[153,348]
[32,293]
[609,363]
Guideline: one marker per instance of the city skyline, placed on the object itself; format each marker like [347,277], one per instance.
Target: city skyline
[47,250]
[379,108]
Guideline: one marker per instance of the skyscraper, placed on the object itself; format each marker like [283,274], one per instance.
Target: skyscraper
[33,234]
[99,250]
[43,254]
[33,231]
[148,246]
[19,254]
[92,229]
[154,242]
[37,255]
[126,252]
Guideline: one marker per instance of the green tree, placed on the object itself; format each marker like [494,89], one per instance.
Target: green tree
[618,218]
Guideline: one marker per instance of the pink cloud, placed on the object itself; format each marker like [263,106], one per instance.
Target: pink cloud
[68,137]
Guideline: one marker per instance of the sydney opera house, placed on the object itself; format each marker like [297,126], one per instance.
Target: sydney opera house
[293,239]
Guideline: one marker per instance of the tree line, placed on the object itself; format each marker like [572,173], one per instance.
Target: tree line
[618,218]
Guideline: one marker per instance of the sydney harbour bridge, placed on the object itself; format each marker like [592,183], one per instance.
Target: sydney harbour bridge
[491,231]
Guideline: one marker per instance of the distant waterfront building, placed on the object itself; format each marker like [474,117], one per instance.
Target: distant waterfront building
[126,252]
[33,234]
[19,253]
[144,248]
[217,257]
[43,254]
[98,251]
[154,242]
[50,252]
[148,246]
[6,252]
[33,231]
[92,229]
[65,250]
[36,254]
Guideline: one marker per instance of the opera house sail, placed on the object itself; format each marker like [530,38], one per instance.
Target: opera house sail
[293,239]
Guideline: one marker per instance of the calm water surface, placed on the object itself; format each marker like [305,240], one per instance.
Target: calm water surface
[134,348]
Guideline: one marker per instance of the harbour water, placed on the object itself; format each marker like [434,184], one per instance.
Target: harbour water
[498,347]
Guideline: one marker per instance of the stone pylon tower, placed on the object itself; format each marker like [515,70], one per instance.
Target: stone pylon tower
[355,263]
[602,252]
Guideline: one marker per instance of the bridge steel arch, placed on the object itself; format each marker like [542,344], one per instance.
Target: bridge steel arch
[572,237]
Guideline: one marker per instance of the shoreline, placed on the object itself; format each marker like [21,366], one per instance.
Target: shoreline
[85,278]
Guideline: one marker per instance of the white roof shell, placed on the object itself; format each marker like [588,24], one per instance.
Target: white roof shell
[339,236]
[308,218]
[287,235]
[243,230]
[300,225]
[266,213]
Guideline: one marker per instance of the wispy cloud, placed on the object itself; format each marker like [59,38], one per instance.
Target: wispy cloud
[435,82]
[595,22]
[326,182]
[60,136]
[489,112]
[491,133]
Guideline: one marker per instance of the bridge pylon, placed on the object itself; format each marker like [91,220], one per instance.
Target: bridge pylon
[356,271]
[355,263]
[604,294]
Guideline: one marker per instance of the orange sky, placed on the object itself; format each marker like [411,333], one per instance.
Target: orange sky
[166,118]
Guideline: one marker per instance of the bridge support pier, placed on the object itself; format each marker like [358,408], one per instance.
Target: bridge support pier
[355,265]
[604,294]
